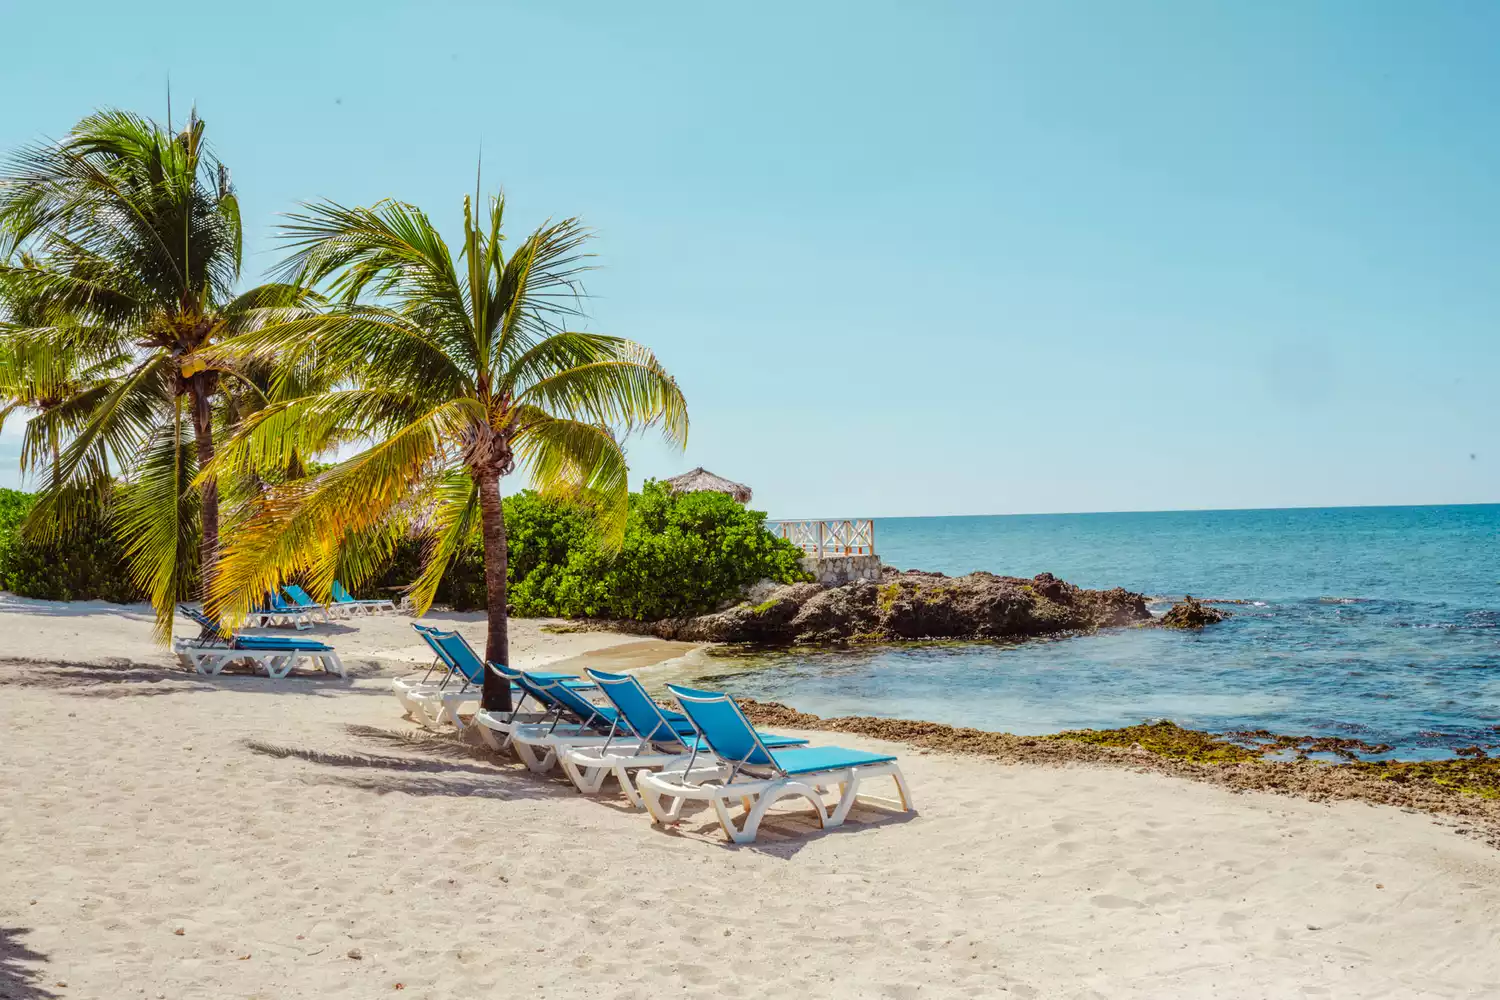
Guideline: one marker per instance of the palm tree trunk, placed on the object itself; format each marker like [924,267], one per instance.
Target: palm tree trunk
[203,440]
[497,645]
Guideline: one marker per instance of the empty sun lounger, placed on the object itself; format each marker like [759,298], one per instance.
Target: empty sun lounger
[656,738]
[756,775]
[498,729]
[346,603]
[435,705]
[215,648]
[302,601]
[578,722]
[437,676]
[272,611]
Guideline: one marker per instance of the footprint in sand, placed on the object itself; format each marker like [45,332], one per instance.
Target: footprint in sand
[1115,902]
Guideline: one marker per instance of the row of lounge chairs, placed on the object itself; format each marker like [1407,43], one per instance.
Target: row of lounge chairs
[661,758]
[298,609]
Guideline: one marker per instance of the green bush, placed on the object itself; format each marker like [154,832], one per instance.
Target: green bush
[89,564]
[683,554]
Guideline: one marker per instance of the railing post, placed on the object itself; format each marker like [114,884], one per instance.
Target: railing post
[820,539]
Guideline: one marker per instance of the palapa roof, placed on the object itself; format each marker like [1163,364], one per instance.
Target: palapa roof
[700,480]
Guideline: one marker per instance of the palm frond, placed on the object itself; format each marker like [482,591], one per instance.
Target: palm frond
[454,515]
[569,457]
[629,390]
[290,528]
[157,519]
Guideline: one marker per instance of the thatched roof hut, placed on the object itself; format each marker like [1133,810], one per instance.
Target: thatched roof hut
[700,480]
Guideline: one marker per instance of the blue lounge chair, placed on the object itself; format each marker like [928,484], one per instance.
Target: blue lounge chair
[576,721]
[556,716]
[756,775]
[406,688]
[657,738]
[346,602]
[435,706]
[302,601]
[271,611]
[215,647]
[440,704]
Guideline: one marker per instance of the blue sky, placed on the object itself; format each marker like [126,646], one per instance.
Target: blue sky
[922,259]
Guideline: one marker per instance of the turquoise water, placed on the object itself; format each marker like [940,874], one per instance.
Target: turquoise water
[1373,623]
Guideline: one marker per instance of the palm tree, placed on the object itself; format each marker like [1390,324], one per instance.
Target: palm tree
[456,370]
[135,234]
[47,375]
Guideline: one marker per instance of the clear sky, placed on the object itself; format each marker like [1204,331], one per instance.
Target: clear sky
[906,258]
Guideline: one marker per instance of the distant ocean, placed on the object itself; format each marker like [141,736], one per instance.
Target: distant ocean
[1378,623]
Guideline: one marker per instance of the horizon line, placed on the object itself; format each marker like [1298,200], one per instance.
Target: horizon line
[1167,510]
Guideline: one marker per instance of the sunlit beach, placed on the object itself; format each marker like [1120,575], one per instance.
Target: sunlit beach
[948,501]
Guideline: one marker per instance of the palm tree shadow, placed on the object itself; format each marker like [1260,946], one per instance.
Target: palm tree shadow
[126,679]
[432,765]
[17,980]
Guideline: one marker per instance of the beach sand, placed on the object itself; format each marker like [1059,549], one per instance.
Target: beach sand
[164,835]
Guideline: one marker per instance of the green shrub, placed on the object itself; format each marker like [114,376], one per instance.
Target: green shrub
[88,564]
[683,554]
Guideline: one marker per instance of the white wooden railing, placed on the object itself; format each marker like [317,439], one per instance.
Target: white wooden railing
[829,538]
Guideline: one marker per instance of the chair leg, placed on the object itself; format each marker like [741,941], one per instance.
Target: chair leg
[750,826]
[527,753]
[588,780]
[907,805]
[652,800]
[622,775]
[849,788]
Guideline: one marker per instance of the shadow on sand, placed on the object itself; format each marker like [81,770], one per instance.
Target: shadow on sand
[126,679]
[433,766]
[17,980]
[783,833]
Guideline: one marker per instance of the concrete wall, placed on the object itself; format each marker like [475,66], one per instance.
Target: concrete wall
[832,571]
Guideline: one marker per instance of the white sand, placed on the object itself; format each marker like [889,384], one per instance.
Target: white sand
[136,802]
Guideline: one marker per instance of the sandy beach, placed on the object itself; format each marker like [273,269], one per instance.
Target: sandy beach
[165,835]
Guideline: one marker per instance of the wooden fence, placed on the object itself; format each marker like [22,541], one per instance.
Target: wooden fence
[829,538]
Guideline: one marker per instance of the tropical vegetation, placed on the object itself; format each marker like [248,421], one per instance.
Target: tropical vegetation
[167,405]
[85,564]
[682,554]
[125,247]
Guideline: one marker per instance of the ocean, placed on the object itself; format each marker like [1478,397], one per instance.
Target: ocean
[1375,623]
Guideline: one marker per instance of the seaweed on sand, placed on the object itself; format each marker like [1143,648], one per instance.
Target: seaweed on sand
[1167,739]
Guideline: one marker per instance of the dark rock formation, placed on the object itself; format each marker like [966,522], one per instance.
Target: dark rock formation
[1189,613]
[912,605]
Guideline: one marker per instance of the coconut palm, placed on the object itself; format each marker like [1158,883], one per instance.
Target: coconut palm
[135,234]
[50,377]
[457,369]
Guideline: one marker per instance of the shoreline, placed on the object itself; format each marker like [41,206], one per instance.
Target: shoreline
[1316,781]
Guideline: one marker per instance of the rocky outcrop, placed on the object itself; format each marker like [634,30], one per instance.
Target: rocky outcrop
[1190,614]
[912,605]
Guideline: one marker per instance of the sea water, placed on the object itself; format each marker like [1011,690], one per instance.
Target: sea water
[1376,623]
